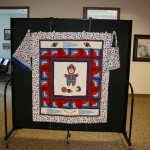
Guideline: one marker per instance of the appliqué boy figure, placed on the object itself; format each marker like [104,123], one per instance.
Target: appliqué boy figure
[71,77]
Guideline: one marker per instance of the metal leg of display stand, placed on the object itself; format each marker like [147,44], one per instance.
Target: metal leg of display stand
[128,138]
[68,136]
[7,134]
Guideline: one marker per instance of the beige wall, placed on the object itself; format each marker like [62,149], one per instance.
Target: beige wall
[136,10]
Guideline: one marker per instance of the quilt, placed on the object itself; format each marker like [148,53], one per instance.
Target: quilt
[70,74]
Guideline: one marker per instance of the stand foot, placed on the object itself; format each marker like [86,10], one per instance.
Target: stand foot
[68,137]
[6,144]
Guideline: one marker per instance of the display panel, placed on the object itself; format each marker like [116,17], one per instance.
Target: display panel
[117,103]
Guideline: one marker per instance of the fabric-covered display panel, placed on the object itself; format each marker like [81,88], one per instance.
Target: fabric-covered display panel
[72,81]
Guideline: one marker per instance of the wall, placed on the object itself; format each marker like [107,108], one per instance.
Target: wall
[5,24]
[136,10]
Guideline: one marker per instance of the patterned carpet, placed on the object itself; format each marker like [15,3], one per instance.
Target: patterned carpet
[27,139]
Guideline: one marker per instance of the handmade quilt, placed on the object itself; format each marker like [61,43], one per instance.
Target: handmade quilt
[70,74]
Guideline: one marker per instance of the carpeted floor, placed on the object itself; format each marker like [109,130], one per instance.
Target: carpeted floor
[31,139]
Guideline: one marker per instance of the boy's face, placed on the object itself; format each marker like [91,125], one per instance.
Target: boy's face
[71,71]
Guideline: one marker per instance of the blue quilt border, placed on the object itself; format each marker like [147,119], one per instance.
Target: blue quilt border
[21,65]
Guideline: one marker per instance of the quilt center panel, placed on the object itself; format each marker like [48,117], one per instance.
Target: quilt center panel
[70,78]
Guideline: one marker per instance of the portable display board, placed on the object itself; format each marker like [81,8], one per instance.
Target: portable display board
[81,72]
